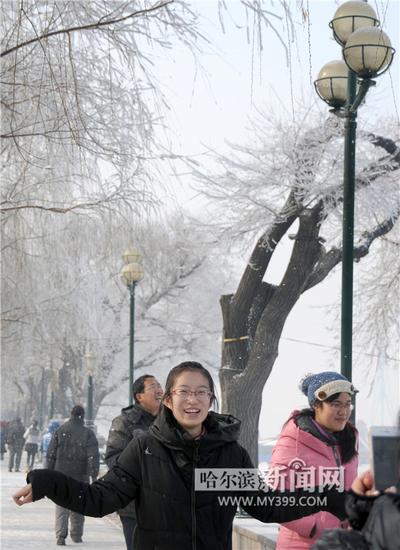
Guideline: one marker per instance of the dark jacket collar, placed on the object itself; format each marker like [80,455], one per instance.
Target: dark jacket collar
[220,429]
[305,423]
[135,412]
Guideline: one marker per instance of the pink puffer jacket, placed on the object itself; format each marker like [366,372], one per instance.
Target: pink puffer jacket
[295,443]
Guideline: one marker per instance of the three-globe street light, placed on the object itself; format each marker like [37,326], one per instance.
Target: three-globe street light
[131,273]
[343,84]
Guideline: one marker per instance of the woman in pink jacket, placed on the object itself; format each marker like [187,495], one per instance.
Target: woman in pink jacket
[317,445]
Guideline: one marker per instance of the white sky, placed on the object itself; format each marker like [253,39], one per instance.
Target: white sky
[211,106]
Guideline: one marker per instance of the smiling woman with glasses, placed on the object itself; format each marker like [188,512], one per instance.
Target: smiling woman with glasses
[318,439]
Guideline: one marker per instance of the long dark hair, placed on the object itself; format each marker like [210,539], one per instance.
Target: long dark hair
[346,439]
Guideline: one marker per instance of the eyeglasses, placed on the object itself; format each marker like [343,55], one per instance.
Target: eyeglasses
[339,406]
[199,394]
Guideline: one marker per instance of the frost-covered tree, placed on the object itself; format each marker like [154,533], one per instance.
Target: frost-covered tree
[289,183]
[377,302]
[79,105]
[79,100]
[64,309]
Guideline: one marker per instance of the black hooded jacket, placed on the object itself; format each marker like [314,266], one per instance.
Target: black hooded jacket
[157,470]
[74,450]
[131,423]
[15,434]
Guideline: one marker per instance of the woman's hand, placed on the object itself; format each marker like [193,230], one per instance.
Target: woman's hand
[23,496]
[364,485]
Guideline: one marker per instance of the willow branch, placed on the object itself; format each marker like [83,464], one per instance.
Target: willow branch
[90,26]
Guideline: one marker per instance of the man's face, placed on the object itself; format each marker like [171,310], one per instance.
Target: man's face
[151,397]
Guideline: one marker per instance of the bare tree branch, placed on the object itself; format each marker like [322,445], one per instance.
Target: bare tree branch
[333,257]
[386,143]
[92,26]
[261,256]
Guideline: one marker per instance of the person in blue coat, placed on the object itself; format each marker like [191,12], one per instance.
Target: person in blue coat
[46,438]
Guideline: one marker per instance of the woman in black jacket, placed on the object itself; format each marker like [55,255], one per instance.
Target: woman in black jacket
[157,470]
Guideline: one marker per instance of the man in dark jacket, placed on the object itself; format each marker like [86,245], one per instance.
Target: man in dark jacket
[15,441]
[74,451]
[133,421]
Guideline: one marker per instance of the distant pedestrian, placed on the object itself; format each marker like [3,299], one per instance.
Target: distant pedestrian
[32,438]
[74,451]
[132,422]
[15,442]
[46,438]
[3,438]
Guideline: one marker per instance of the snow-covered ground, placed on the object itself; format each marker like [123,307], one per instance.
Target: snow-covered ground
[32,526]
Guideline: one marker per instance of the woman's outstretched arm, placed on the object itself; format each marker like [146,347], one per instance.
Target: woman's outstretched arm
[110,493]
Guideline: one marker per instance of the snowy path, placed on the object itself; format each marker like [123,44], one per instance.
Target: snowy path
[32,526]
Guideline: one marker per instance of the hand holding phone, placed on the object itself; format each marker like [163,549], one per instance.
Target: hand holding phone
[384,446]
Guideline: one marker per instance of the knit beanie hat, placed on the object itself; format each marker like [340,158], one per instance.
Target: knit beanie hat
[324,384]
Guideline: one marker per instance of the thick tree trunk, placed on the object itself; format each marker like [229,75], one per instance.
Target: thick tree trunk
[250,344]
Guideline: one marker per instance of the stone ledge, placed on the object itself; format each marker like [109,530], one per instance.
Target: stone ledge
[251,534]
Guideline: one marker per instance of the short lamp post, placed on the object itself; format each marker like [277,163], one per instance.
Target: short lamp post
[90,361]
[367,53]
[131,274]
[53,377]
[43,396]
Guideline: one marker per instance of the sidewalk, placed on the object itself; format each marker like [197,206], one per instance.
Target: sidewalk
[32,526]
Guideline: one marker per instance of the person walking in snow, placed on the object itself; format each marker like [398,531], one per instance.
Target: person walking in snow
[3,438]
[46,438]
[32,438]
[15,442]
[74,451]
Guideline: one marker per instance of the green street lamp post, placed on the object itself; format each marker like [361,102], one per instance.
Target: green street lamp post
[52,389]
[367,53]
[43,388]
[51,409]
[131,273]
[90,360]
